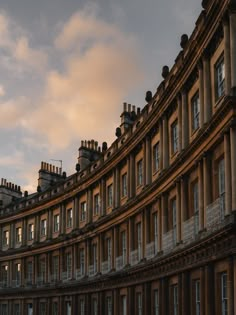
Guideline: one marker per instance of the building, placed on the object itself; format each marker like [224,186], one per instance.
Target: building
[146,226]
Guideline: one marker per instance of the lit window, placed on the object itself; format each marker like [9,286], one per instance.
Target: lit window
[96,208]
[174,137]
[5,240]
[30,232]
[43,229]
[110,195]
[224,294]
[195,104]
[83,208]
[56,223]
[18,235]
[124,185]
[156,157]
[69,218]
[219,78]
[140,172]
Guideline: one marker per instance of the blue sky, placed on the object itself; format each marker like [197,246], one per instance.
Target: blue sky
[66,67]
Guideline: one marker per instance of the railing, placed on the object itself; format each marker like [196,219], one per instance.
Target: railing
[92,270]
[134,257]
[66,276]
[106,266]
[215,214]
[189,230]
[150,250]
[168,241]
[3,284]
[120,262]
[15,283]
[78,274]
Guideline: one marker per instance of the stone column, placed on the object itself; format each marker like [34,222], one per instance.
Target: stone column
[207,88]
[228,192]
[227,58]
[117,187]
[179,217]
[185,119]
[232,22]
[201,93]
[179,103]
[200,196]
[148,160]
[161,144]
[165,142]
[159,224]
[233,164]
[206,182]
[75,213]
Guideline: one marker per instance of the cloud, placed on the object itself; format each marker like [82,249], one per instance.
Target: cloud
[15,44]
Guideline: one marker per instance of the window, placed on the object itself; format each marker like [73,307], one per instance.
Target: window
[110,195]
[42,270]
[55,268]
[83,208]
[219,78]
[139,303]
[69,265]
[174,218]
[69,218]
[123,305]
[5,240]
[156,157]
[68,308]
[30,232]
[43,228]
[42,308]
[18,235]
[17,274]
[124,185]
[5,275]
[82,307]
[140,172]
[195,105]
[29,309]
[175,300]
[197,298]
[156,302]
[16,309]
[95,307]
[3,309]
[224,294]
[56,223]
[123,241]
[82,261]
[96,208]
[139,238]
[109,305]
[195,207]
[29,272]
[109,254]
[94,248]
[155,225]
[55,308]
[174,137]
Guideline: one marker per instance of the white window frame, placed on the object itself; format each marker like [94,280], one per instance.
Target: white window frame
[96,208]
[219,78]
[83,211]
[69,218]
[224,294]
[124,190]
[156,157]
[43,227]
[140,172]
[174,137]
[139,238]
[56,223]
[195,107]
[110,195]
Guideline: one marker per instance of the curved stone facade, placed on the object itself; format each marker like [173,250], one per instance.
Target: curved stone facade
[146,226]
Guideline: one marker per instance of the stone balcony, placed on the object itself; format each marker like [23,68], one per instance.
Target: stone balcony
[150,250]
[134,257]
[215,214]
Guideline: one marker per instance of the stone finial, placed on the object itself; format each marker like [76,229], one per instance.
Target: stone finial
[118,132]
[184,40]
[165,72]
[148,97]
[104,146]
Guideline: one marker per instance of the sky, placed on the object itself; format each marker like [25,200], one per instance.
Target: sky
[66,67]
